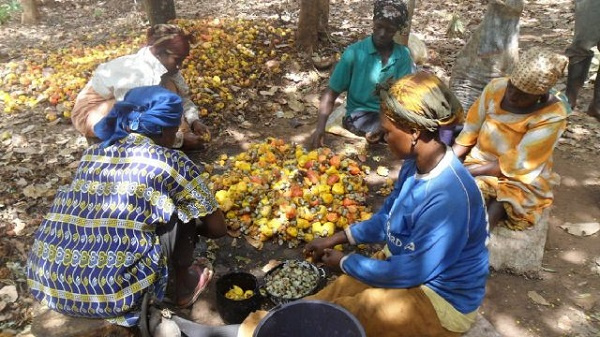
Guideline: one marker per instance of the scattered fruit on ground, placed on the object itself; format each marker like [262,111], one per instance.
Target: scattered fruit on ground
[276,190]
[227,55]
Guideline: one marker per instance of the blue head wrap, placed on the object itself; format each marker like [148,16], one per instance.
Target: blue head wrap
[145,110]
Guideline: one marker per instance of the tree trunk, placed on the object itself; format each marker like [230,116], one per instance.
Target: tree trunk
[323,17]
[313,19]
[490,53]
[160,11]
[30,15]
[402,35]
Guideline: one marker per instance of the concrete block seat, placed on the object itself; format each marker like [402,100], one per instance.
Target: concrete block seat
[519,252]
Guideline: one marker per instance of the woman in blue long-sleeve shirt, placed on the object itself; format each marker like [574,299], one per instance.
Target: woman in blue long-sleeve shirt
[430,278]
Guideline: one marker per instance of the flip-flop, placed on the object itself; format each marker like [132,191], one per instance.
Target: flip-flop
[206,275]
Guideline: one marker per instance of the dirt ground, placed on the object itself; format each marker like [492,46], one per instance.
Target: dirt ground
[570,280]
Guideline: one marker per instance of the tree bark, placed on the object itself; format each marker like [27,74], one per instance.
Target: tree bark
[31,15]
[323,17]
[160,11]
[402,35]
[490,53]
[313,19]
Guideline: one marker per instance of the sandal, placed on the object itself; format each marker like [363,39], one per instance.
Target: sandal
[205,275]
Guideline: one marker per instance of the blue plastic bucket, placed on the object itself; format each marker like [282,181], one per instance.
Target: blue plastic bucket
[312,318]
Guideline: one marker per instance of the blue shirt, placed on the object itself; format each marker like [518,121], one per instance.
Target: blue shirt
[96,252]
[360,69]
[435,226]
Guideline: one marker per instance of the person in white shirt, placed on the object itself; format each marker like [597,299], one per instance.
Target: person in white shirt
[155,64]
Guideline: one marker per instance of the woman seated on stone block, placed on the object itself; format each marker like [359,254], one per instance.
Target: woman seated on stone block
[430,278]
[509,137]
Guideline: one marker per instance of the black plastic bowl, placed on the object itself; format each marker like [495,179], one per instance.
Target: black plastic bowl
[309,319]
[234,312]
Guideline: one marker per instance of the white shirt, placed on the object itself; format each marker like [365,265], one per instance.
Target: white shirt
[115,78]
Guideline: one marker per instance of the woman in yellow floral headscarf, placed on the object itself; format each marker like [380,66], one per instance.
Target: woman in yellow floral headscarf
[509,136]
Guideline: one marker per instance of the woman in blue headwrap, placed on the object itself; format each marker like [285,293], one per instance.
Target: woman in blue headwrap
[134,206]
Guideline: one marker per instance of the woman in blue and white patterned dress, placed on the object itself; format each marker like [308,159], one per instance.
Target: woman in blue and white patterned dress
[134,206]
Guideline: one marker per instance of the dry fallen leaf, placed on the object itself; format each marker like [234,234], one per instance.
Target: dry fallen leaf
[9,294]
[537,298]
[295,105]
[35,191]
[272,90]
[5,135]
[234,233]
[582,228]
[254,242]
[456,28]
[19,226]
[270,265]
[64,174]
[242,259]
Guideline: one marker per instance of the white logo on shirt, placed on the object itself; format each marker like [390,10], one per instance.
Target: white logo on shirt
[410,246]
[394,240]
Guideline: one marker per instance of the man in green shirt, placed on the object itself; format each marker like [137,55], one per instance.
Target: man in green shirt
[363,65]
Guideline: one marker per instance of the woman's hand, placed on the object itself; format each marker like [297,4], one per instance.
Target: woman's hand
[331,258]
[201,130]
[460,151]
[490,168]
[192,141]
[316,249]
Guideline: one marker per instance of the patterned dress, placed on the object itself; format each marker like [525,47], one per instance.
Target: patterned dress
[523,145]
[96,252]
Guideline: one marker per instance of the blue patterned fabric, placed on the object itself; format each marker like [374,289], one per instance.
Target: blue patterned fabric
[96,252]
[146,110]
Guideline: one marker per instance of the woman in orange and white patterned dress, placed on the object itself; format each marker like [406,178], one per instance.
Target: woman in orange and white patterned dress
[509,137]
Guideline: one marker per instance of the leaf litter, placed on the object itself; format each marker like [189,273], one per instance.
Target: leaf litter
[36,156]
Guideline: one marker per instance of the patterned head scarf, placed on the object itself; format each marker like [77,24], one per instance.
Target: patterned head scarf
[145,110]
[169,38]
[538,70]
[394,11]
[422,101]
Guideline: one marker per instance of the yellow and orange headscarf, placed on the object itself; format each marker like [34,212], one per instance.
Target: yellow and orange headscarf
[421,100]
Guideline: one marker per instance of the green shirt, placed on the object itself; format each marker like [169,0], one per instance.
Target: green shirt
[360,70]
